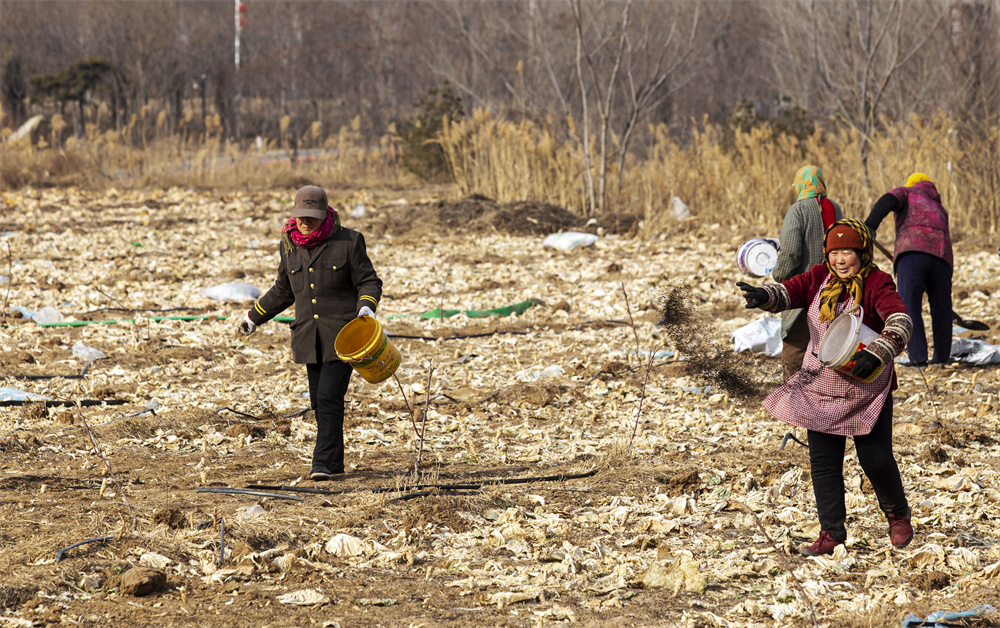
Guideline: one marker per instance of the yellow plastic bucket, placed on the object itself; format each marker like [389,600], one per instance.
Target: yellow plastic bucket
[363,345]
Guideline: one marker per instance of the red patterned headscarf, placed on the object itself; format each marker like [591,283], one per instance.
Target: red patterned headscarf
[290,233]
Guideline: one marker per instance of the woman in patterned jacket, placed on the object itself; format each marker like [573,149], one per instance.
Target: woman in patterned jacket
[832,405]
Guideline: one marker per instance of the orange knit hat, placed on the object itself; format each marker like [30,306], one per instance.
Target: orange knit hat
[843,236]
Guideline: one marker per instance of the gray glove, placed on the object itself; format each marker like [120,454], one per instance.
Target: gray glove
[365,311]
[247,326]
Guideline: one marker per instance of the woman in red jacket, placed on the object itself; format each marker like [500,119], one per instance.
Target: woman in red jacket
[832,405]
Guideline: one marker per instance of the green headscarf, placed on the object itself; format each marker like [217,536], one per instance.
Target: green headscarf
[809,183]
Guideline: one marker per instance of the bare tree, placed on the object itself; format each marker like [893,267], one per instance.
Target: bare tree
[627,65]
[867,43]
[973,47]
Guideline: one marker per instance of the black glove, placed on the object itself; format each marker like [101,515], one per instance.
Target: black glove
[756,297]
[866,364]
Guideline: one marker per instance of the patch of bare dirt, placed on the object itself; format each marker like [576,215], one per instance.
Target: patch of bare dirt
[481,215]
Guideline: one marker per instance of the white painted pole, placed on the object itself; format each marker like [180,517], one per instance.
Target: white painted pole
[237,31]
[236,64]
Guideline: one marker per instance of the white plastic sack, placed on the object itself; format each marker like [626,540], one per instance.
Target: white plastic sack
[233,291]
[569,240]
[680,210]
[760,336]
[85,353]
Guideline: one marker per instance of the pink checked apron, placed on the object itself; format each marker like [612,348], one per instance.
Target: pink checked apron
[821,399]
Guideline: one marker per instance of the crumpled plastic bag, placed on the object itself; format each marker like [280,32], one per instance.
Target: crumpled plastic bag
[569,240]
[232,291]
[85,353]
[47,314]
[973,351]
[679,209]
[760,336]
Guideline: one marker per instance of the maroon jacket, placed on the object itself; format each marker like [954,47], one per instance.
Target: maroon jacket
[879,299]
[921,221]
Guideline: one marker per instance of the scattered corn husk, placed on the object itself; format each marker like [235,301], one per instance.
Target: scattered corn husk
[305,597]
[559,414]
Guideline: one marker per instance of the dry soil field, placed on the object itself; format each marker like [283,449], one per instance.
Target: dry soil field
[694,523]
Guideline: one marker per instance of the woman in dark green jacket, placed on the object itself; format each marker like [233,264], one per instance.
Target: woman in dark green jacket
[326,273]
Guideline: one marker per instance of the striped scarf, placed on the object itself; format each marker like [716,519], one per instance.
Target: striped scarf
[855,286]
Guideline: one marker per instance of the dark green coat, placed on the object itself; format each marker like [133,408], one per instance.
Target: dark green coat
[328,285]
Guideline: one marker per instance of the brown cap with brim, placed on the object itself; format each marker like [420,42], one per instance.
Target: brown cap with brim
[310,202]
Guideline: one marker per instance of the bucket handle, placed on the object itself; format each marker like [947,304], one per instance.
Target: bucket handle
[856,308]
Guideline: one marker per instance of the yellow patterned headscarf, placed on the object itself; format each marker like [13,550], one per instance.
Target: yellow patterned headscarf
[809,183]
[917,177]
[855,286]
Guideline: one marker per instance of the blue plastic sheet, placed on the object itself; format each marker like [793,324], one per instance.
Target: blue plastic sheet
[939,619]
[16,394]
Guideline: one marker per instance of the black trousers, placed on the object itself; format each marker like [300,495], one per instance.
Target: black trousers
[794,346]
[918,273]
[327,387]
[826,461]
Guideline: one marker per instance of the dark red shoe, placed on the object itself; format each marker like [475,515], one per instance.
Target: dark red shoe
[823,545]
[900,529]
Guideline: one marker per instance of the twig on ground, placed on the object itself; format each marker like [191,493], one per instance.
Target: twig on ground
[111,473]
[930,392]
[132,312]
[404,497]
[781,557]
[83,373]
[642,397]
[249,416]
[222,541]
[409,408]
[444,284]
[396,489]
[10,278]
[427,407]
[240,491]
[631,323]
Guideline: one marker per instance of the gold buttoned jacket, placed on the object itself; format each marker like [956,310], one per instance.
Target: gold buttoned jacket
[328,285]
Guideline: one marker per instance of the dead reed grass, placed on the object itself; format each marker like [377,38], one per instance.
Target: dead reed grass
[99,159]
[745,182]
